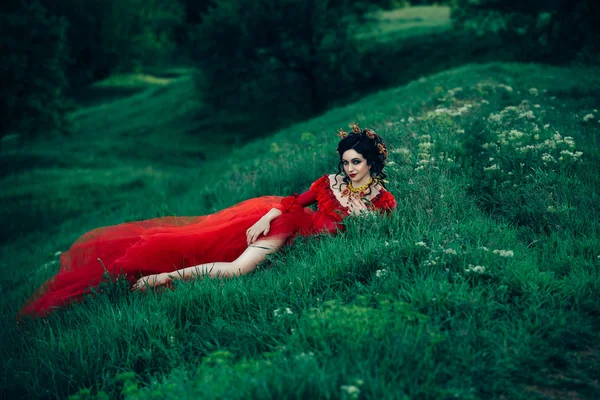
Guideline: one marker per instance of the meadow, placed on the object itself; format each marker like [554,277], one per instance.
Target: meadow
[482,284]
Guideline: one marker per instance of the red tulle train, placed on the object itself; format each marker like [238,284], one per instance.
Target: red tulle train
[159,245]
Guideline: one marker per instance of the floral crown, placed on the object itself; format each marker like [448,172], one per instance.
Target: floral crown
[367,132]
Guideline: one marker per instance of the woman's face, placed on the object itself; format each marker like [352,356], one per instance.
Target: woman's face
[355,166]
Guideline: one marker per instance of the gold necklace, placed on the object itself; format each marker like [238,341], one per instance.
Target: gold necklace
[360,189]
[359,192]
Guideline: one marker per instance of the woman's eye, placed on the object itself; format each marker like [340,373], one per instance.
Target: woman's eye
[356,162]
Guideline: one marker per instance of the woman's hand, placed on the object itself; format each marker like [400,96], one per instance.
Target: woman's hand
[151,281]
[261,226]
[356,206]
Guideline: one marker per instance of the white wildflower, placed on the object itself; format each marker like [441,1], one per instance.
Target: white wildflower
[492,168]
[546,126]
[402,151]
[527,114]
[575,155]
[425,146]
[58,253]
[452,92]
[460,131]
[450,251]
[351,391]
[551,209]
[588,117]
[569,141]
[548,158]
[537,106]
[506,87]
[533,91]
[278,311]
[483,248]
[411,120]
[495,118]
[485,101]
[381,272]
[504,253]
[515,134]
[421,244]
[477,268]
[305,356]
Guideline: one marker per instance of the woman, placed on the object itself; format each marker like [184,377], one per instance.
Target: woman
[228,243]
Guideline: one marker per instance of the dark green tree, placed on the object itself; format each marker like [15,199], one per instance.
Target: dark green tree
[544,30]
[32,70]
[117,35]
[286,58]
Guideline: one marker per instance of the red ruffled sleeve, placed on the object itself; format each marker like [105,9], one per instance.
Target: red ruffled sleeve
[386,202]
[298,201]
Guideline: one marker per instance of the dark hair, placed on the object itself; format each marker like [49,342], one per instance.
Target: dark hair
[369,145]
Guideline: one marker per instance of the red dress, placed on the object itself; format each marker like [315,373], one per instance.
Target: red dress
[169,243]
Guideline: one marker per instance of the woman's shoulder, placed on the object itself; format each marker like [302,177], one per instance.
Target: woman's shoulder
[386,199]
[333,178]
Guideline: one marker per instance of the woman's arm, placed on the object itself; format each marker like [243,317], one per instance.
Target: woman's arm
[272,214]
[293,202]
[262,226]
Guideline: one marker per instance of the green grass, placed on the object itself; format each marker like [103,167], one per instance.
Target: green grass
[407,22]
[395,307]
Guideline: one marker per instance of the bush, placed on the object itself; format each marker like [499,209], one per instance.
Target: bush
[555,31]
[32,73]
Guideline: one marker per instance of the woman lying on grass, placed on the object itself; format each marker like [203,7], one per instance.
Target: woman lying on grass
[230,242]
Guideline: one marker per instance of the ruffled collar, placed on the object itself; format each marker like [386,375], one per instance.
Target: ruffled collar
[334,199]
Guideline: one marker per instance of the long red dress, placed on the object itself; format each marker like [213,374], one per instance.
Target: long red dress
[169,243]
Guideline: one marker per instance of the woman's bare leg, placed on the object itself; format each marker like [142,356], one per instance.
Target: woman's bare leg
[245,263]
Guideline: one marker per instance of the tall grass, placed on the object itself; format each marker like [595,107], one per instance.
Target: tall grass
[472,288]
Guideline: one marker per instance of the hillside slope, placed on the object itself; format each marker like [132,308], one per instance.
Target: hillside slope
[482,284]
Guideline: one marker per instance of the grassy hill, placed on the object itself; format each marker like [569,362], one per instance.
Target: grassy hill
[482,284]
[407,23]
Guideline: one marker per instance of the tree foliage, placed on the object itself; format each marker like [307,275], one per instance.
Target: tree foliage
[117,35]
[288,58]
[32,70]
[546,30]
